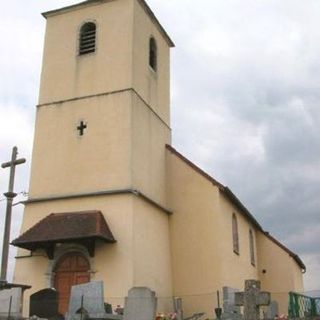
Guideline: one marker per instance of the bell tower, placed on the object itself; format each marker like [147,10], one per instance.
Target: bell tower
[102,123]
[103,112]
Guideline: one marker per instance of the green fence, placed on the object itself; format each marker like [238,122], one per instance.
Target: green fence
[301,306]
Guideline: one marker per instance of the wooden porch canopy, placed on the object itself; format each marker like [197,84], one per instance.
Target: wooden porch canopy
[84,227]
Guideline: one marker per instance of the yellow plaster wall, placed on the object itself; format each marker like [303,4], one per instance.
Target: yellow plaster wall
[154,87]
[202,219]
[297,277]
[121,59]
[22,274]
[65,74]
[194,238]
[282,272]
[149,137]
[151,251]
[124,142]
[237,267]
[65,163]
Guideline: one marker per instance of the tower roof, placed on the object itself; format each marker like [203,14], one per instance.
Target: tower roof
[143,3]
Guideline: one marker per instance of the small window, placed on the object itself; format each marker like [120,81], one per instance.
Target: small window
[87,41]
[235,234]
[251,245]
[153,54]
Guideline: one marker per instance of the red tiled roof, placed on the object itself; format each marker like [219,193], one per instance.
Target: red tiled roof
[65,227]
[232,197]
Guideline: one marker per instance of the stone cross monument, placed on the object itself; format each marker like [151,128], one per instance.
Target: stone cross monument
[177,306]
[10,196]
[252,298]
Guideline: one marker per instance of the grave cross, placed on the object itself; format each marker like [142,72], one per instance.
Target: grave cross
[10,196]
[81,128]
[252,298]
[177,306]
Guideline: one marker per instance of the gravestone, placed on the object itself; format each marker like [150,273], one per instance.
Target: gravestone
[141,304]
[44,304]
[230,310]
[272,310]
[251,299]
[87,300]
[177,307]
[108,308]
[88,296]
[11,303]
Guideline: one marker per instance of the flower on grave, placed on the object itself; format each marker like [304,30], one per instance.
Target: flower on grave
[173,316]
[166,316]
[160,316]
[119,309]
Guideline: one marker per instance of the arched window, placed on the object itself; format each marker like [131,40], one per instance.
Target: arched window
[235,234]
[153,54]
[251,245]
[87,41]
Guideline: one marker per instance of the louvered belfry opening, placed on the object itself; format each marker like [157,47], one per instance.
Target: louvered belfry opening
[87,38]
[153,54]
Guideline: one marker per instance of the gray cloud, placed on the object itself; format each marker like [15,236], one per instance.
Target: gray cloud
[245,108]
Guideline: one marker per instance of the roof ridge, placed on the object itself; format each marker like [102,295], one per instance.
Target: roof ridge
[227,192]
[282,246]
[194,166]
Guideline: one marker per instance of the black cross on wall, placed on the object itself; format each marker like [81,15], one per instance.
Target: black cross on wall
[81,127]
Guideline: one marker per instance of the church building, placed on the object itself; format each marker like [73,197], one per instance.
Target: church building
[110,198]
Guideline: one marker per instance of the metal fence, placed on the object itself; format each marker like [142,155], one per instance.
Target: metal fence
[301,306]
[317,305]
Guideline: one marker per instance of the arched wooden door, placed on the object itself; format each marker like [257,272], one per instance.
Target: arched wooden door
[71,269]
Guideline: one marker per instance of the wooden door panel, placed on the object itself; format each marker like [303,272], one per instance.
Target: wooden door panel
[72,269]
[81,263]
[81,277]
[63,284]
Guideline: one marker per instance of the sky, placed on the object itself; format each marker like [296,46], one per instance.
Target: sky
[245,94]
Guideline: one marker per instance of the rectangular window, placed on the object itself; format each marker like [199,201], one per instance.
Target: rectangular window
[251,245]
[235,234]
